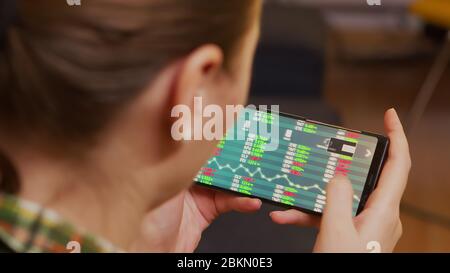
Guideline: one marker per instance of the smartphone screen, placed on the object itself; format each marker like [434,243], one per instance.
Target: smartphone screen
[292,164]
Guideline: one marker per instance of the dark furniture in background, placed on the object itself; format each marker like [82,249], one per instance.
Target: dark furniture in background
[289,65]
[7,16]
[290,57]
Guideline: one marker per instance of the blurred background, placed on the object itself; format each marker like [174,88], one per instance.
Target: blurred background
[346,62]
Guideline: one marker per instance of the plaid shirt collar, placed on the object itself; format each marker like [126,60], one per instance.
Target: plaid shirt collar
[28,227]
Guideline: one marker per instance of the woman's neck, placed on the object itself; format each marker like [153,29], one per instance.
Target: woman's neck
[95,194]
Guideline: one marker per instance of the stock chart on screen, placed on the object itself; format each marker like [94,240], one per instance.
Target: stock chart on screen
[307,156]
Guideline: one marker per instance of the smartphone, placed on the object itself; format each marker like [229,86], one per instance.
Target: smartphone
[291,163]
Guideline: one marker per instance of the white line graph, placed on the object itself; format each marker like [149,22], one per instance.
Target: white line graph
[269,179]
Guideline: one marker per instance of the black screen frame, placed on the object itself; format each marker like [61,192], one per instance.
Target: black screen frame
[376,166]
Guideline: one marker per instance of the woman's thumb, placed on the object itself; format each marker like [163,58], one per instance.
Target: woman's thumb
[338,209]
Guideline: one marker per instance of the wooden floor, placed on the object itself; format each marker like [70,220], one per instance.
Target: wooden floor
[361,93]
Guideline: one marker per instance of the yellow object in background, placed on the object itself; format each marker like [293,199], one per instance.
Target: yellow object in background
[433,11]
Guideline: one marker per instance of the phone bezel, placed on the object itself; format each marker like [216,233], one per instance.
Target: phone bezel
[378,160]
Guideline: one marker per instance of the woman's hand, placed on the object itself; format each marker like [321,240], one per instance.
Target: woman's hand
[177,225]
[378,225]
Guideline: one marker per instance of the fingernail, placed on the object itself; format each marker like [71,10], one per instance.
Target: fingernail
[392,109]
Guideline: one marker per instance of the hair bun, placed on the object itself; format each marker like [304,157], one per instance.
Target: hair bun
[8,15]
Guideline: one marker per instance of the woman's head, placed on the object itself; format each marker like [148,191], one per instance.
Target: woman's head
[98,81]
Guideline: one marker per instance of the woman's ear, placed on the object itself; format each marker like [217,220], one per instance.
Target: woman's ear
[196,85]
[196,74]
